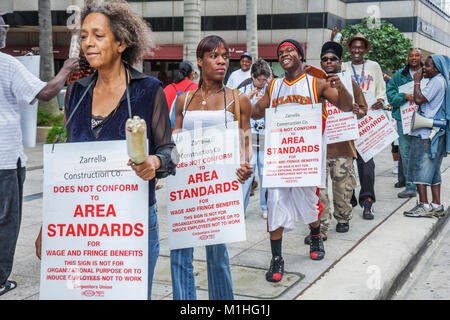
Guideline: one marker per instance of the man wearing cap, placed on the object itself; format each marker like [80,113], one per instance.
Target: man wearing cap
[369,77]
[16,83]
[340,155]
[398,99]
[287,205]
[243,73]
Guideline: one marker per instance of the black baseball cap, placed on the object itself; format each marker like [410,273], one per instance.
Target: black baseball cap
[296,44]
[332,47]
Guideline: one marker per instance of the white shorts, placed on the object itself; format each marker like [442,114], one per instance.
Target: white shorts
[286,205]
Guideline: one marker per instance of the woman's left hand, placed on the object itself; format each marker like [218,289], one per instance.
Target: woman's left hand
[147,169]
[244,172]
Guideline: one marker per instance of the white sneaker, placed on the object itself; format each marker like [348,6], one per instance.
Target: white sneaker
[437,211]
[264,214]
[420,210]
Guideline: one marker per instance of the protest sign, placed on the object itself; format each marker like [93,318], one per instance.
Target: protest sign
[376,132]
[95,222]
[341,126]
[408,108]
[293,146]
[204,199]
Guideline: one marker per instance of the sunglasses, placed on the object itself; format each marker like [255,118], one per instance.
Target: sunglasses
[325,59]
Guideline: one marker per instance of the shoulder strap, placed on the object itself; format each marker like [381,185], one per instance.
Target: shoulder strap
[237,117]
[237,107]
[190,84]
[185,100]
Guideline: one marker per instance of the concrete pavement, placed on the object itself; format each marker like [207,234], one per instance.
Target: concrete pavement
[361,264]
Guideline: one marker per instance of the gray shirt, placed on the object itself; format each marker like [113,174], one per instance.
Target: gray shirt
[434,92]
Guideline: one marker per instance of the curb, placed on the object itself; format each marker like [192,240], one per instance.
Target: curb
[404,275]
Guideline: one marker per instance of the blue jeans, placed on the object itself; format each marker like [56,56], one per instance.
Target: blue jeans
[153,245]
[257,159]
[220,284]
[422,168]
[11,193]
[404,145]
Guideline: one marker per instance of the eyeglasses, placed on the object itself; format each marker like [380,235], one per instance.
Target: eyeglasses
[261,80]
[325,59]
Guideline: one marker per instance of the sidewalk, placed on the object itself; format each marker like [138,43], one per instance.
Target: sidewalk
[360,264]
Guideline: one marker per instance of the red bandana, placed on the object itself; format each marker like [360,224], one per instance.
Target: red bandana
[287,44]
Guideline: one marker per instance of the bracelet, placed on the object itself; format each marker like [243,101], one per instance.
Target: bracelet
[417,83]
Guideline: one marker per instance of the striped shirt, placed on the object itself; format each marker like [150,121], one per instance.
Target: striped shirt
[16,84]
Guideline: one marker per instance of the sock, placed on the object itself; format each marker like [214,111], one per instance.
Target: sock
[315,231]
[434,205]
[275,245]
[426,205]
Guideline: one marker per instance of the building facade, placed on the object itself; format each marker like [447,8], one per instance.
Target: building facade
[425,22]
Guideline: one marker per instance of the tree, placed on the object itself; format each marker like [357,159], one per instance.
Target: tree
[47,69]
[389,47]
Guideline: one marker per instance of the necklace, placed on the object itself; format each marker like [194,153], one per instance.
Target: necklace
[203,96]
[359,78]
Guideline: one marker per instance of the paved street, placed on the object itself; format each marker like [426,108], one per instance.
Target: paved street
[360,264]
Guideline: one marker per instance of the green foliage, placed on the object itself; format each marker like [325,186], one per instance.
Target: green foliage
[47,119]
[56,122]
[389,47]
[53,134]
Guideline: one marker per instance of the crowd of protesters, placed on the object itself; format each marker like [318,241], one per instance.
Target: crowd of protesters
[108,66]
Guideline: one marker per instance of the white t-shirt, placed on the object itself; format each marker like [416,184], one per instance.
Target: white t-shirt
[237,77]
[368,76]
[16,84]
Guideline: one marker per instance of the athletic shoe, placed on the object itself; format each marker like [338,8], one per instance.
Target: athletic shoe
[316,249]
[439,211]
[367,209]
[7,286]
[342,227]
[308,238]
[407,193]
[419,211]
[276,269]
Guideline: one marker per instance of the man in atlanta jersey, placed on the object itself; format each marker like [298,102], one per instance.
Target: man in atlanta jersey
[286,205]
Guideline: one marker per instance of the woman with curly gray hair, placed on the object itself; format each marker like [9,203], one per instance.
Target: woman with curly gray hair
[127,27]
[113,38]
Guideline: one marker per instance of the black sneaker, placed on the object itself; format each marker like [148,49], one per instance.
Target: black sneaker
[342,227]
[276,269]
[308,238]
[367,209]
[316,249]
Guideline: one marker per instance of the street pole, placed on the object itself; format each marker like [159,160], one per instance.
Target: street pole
[252,28]
[191,31]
